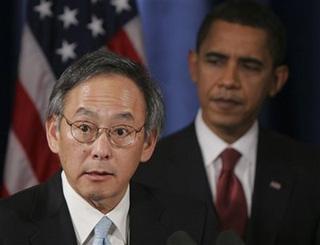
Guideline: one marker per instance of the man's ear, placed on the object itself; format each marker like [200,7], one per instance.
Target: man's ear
[281,74]
[149,146]
[52,132]
[193,65]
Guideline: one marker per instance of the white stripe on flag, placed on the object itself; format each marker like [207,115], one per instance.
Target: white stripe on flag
[35,74]
[18,173]
[134,31]
[37,79]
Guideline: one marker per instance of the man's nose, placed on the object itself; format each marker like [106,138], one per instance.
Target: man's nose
[101,147]
[230,76]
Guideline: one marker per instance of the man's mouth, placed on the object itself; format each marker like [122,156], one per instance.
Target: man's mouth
[226,103]
[98,175]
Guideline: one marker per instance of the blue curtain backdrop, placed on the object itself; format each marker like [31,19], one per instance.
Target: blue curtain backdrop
[169,28]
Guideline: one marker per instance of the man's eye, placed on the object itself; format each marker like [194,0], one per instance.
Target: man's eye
[120,131]
[85,128]
[215,61]
[251,66]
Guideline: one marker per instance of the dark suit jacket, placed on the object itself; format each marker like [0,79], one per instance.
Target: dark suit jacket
[40,216]
[285,201]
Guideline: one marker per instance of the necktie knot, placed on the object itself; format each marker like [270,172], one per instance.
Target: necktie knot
[229,158]
[101,230]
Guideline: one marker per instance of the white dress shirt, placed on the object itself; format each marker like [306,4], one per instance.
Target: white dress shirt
[85,217]
[212,146]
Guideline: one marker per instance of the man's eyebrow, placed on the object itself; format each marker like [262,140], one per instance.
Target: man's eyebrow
[245,59]
[86,112]
[213,54]
[126,116]
[123,116]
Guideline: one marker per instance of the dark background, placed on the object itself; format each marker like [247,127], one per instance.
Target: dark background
[294,112]
[7,71]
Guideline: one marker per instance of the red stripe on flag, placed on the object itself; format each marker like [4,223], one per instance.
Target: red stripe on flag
[31,134]
[121,44]
[4,192]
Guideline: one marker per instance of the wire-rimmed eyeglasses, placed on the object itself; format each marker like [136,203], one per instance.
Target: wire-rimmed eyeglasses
[87,132]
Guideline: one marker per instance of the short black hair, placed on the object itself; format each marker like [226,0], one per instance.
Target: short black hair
[253,14]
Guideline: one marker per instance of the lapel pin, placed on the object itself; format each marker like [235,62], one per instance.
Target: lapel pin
[275,185]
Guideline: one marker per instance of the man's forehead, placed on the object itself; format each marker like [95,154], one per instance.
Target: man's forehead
[226,38]
[218,22]
[110,97]
[107,78]
[117,115]
[223,30]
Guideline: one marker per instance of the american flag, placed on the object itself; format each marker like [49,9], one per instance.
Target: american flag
[54,34]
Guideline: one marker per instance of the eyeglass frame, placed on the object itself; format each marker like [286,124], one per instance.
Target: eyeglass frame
[100,130]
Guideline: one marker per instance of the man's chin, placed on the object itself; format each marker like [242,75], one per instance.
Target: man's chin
[96,196]
[94,193]
[225,123]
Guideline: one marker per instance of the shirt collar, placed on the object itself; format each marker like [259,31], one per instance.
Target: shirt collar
[84,224]
[211,145]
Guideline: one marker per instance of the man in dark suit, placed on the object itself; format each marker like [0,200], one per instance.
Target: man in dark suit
[262,185]
[104,117]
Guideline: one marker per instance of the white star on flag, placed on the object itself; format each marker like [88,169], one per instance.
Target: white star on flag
[67,51]
[44,9]
[96,26]
[121,5]
[68,17]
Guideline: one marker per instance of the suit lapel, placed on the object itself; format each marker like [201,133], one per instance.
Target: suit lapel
[188,163]
[51,216]
[197,176]
[273,184]
[145,214]
[55,230]
[155,216]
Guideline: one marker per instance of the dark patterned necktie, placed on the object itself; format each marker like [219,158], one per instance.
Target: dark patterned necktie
[230,200]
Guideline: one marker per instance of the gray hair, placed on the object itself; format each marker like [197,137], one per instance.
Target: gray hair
[103,62]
